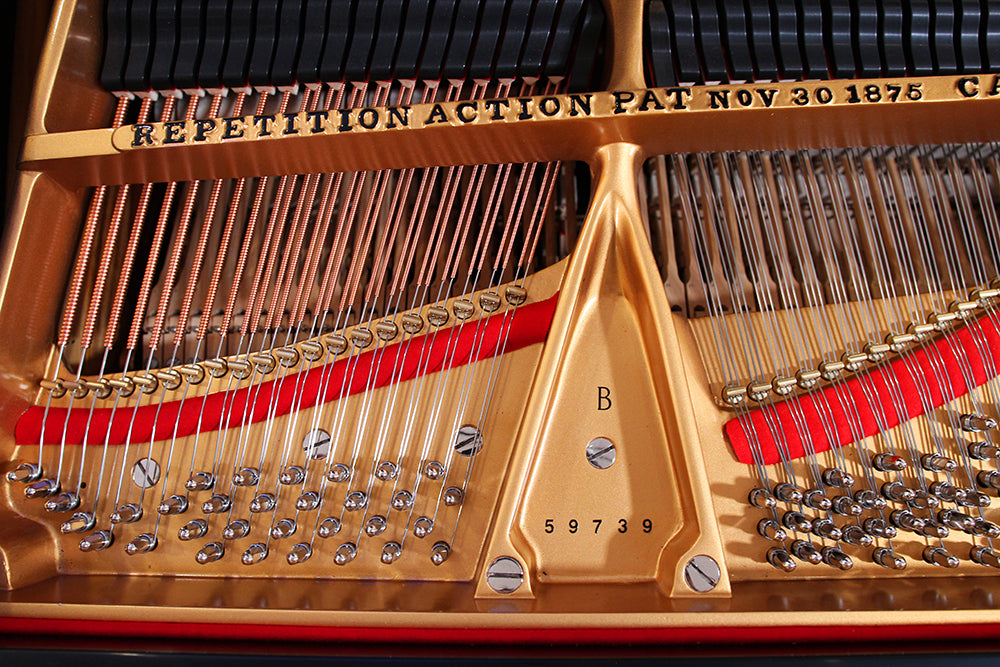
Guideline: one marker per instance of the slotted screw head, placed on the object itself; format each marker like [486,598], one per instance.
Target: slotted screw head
[702,573]
[601,453]
[505,575]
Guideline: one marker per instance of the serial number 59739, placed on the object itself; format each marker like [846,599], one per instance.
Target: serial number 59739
[574,526]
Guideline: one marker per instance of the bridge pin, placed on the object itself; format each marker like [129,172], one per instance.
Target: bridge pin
[423,527]
[345,553]
[141,544]
[254,554]
[780,559]
[300,553]
[78,523]
[98,541]
[63,502]
[209,553]
[25,473]
[391,552]
[192,530]
[440,552]
[236,529]
[328,527]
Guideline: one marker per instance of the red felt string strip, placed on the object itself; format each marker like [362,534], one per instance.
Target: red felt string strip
[531,325]
[738,431]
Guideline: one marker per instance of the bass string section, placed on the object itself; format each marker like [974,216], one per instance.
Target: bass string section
[844,306]
[252,359]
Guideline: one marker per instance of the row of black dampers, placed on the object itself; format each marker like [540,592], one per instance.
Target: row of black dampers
[162,45]
[706,41]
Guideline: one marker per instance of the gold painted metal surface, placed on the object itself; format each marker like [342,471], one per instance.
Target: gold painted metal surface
[612,338]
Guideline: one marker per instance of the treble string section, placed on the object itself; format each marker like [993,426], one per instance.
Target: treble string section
[864,249]
[968,515]
[811,256]
[757,232]
[836,333]
[986,247]
[775,222]
[941,462]
[901,494]
[734,350]
[893,219]
[770,223]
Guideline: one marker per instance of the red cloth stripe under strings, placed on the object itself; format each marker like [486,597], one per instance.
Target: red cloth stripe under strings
[829,402]
[531,325]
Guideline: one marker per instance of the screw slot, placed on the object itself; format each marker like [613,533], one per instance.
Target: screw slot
[702,574]
[145,473]
[601,453]
[316,444]
[505,575]
[468,440]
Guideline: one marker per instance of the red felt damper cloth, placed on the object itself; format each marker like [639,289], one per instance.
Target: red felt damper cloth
[832,404]
[530,326]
